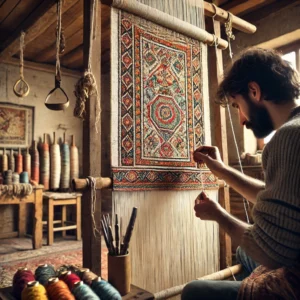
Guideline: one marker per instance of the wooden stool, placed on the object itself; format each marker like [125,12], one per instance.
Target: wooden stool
[62,199]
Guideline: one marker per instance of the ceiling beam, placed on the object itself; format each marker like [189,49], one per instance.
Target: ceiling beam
[239,7]
[35,26]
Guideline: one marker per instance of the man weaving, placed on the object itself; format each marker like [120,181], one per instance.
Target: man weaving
[264,88]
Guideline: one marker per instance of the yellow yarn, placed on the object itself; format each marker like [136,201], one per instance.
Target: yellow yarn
[34,292]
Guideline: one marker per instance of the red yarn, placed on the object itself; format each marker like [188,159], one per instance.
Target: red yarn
[70,279]
[20,280]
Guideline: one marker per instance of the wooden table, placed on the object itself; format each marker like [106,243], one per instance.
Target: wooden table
[37,199]
[136,293]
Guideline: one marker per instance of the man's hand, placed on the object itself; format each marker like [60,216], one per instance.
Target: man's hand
[207,209]
[211,157]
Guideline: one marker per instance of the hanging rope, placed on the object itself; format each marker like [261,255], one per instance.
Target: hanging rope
[92,185]
[59,44]
[228,28]
[86,87]
[21,87]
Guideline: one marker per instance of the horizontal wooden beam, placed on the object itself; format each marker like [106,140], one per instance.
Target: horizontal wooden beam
[45,20]
[222,16]
[41,67]
[101,183]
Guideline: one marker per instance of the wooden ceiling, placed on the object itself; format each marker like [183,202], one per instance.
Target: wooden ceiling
[38,19]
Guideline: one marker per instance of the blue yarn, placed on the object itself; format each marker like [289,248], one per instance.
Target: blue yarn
[84,292]
[24,177]
[105,290]
[43,273]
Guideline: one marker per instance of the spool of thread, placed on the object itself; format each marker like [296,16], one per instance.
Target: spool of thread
[44,272]
[33,291]
[65,166]
[27,163]
[55,162]
[15,178]
[45,164]
[19,162]
[35,163]
[4,161]
[69,278]
[87,276]
[74,160]
[104,290]
[57,289]
[11,160]
[20,280]
[8,177]
[83,292]
[24,178]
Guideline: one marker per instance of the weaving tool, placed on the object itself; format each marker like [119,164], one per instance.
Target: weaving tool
[57,87]
[21,87]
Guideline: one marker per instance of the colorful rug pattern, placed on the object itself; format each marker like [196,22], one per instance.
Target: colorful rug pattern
[160,109]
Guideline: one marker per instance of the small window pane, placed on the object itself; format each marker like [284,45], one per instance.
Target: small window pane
[291,58]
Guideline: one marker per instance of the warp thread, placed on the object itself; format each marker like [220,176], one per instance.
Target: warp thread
[44,272]
[57,289]
[84,292]
[105,290]
[69,278]
[34,291]
[20,280]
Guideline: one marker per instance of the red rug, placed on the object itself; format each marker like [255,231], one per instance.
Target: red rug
[73,257]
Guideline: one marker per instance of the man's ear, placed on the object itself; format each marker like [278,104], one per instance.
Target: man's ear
[254,91]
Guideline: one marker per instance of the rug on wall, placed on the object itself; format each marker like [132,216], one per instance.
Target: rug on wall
[70,257]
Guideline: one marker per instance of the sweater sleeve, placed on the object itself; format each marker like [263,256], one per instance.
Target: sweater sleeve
[276,215]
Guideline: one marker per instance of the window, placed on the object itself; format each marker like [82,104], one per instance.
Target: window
[291,53]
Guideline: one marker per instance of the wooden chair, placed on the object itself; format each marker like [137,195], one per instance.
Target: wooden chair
[63,200]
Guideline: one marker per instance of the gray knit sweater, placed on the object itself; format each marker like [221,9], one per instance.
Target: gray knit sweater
[276,214]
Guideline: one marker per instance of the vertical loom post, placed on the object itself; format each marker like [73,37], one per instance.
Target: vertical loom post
[65,165]
[35,163]
[215,75]
[45,164]
[55,165]
[91,137]
[27,163]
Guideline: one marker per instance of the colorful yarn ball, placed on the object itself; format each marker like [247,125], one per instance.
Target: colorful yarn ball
[82,291]
[20,280]
[70,279]
[105,290]
[43,273]
[57,289]
[34,291]
[87,276]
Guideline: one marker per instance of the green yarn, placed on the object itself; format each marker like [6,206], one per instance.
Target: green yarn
[43,273]
[84,292]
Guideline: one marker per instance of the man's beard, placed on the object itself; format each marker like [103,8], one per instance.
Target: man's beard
[260,121]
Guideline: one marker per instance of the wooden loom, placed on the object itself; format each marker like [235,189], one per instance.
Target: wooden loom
[225,259]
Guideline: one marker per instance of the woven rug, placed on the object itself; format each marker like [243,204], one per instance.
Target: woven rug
[157,99]
[32,259]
